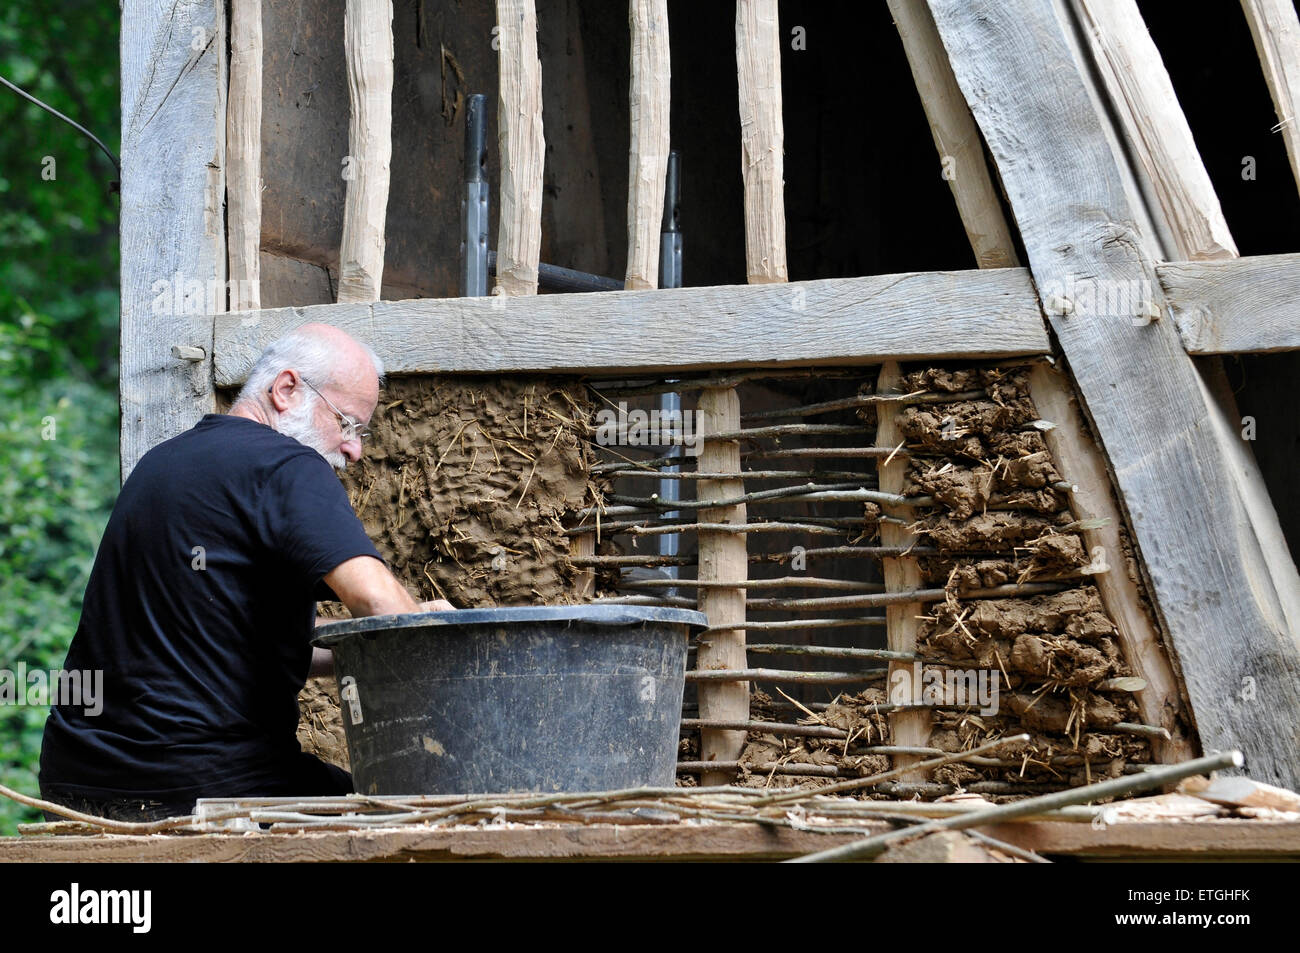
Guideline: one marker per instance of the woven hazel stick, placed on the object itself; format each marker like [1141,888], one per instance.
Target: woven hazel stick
[1117,787]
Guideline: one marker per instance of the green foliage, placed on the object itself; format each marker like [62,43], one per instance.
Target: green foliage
[58,477]
[58,342]
[58,236]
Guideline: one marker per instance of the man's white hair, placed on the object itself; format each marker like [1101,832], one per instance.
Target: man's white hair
[309,354]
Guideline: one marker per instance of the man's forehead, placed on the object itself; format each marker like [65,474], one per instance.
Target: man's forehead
[358,393]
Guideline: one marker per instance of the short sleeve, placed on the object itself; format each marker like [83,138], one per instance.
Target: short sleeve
[307,521]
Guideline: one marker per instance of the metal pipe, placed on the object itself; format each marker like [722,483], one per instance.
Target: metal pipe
[670,233]
[670,490]
[556,278]
[474,203]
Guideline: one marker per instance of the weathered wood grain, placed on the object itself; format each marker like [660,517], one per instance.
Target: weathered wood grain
[368,51]
[961,154]
[911,728]
[244,155]
[1205,838]
[1186,211]
[1184,840]
[648,100]
[722,557]
[1140,90]
[1275,28]
[841,320]
[172,227]
[519,131]
[1250,305]
[1283,581]
[1209,574]
[762,139]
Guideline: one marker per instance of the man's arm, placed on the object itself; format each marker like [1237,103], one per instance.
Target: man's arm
[366,587]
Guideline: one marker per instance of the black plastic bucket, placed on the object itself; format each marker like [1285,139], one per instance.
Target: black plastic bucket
[565,698]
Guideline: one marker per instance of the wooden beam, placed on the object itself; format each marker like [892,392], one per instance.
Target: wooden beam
[961,154]
[1072,447]
[648,102]
[762,139]
[1209,575]
[1250,305]
[1188,218]
[519,133]
[1242,792]
[1229,838]
[1147,108]
[1275,28]
[840,320]
[1146,841]
[722,556]
[1093,502]
[910,728]
[513,842]
[244,156]
[1186,210]
[173,269]
[368,49]
[1283,582]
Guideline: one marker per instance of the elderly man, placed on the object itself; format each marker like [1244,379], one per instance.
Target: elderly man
[202,601]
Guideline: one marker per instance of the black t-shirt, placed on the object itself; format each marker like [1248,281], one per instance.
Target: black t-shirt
[200,610]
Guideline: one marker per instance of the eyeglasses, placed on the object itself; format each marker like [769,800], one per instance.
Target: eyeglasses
[351,427]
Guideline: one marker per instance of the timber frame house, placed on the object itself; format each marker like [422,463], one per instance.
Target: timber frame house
[1105,189]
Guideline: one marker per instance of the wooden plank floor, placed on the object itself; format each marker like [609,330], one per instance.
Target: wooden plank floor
[1177,840]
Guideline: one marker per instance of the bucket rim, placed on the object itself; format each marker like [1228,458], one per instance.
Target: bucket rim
[332,633]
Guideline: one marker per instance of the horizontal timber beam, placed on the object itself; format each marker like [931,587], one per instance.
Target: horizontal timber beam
[1248,305]
[1237,306]
[931,315]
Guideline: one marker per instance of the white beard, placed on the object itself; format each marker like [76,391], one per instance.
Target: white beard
[299,424]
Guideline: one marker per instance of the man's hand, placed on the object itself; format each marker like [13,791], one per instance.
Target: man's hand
[436,605]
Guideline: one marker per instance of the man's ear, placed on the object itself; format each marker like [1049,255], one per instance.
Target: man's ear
[279,403]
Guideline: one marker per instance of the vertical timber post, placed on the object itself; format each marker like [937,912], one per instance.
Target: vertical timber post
[522,149]
[648,105]
[173,270]
[368,48]
[909,728]
[723,556]
[244,155]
